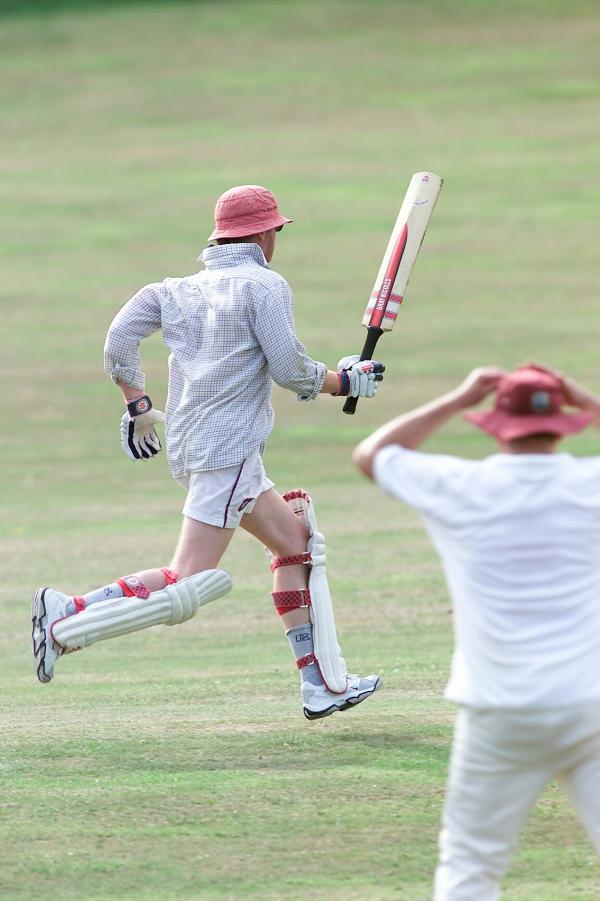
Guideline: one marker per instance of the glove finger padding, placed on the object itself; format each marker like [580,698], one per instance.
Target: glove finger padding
[135,443]
[152,440]
[139,438]
[362,384]
[364,376]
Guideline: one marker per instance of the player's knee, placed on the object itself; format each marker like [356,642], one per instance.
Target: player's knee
[292,539]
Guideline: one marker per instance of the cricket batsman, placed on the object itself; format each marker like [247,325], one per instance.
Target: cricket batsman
[230,332]
[519,537]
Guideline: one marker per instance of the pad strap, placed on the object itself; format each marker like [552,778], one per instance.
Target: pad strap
[290,561]
[301,662]
[170,576]
[132,587]
[290,600]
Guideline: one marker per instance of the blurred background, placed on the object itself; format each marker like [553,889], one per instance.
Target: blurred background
[121,124]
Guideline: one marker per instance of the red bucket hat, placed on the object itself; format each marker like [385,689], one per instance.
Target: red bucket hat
[246,210]
[528,402]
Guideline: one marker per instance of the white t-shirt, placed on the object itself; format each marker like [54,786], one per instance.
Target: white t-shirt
[519,538]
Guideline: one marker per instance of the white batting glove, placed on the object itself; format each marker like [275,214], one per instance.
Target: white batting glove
[358,378]
[347,362]
[139,439]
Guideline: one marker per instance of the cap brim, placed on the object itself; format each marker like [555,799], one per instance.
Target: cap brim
[507,427]
[242,230]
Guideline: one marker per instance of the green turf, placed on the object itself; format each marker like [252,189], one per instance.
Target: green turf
[177,764]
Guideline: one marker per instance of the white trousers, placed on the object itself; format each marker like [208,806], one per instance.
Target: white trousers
[501,761]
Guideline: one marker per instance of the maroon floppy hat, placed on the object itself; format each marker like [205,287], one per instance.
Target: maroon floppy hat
[529,402]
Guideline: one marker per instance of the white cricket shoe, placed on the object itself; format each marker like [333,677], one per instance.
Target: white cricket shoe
[47,607]
[319,702]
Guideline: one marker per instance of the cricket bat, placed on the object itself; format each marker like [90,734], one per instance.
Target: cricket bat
[398,261]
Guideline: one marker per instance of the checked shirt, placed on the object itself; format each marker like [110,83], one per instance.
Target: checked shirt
[230,332]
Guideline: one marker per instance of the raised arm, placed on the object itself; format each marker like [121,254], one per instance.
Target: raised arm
[579,397]
[411,429]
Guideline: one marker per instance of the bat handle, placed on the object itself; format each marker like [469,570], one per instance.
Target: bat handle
[373,336]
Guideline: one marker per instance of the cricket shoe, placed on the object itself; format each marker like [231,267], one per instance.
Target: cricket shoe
[47,607]
[319,702]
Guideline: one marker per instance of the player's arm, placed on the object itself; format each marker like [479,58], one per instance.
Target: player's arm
[579,397]
[292,368]
[411,429]
[139,318]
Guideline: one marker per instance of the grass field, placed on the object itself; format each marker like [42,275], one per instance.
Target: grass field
[178,763]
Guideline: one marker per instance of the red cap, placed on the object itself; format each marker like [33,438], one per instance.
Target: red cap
[246,210]
[528,402]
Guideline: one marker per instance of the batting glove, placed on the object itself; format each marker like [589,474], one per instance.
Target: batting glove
[139,439]
[358,378]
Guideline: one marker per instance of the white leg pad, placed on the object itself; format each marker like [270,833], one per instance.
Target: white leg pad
[120,616]
[327,650]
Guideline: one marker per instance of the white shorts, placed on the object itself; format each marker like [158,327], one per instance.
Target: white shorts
[220,497]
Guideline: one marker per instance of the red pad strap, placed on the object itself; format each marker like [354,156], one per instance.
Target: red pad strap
[290,561]
[79,604]
[170,576]
[301,662]
[132,587]
[290,600]
[294,493]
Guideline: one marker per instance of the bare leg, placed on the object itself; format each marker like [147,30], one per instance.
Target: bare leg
[200,547]
[274,524]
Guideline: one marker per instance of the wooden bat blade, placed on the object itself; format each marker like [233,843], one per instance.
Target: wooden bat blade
[402,251]
[398,261]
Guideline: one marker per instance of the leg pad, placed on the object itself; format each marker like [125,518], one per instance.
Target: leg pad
[119,616]
[327,650]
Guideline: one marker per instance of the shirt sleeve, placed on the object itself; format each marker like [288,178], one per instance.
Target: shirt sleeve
[139,318]
[289,364]
[427,482]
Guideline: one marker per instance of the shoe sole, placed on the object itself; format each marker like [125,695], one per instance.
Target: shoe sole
[38,635]
[345,705]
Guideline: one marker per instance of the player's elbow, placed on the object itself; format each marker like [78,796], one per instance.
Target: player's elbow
[363,459]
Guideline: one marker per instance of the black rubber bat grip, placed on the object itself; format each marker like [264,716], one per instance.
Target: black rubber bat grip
[373,336]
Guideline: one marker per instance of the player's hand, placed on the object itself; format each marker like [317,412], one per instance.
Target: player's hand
[478,384]
[575,395]
[358,378]
[139,438]
[581,398]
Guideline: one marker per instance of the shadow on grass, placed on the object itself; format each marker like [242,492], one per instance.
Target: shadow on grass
[53,7]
